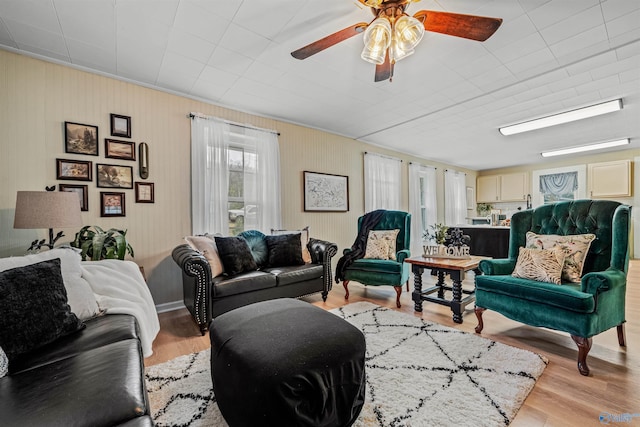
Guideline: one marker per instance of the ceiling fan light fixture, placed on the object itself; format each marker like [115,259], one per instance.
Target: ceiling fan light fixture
[396,53]
[408,32]
[377,39]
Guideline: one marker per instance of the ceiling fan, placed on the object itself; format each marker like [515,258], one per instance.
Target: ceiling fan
[393,34]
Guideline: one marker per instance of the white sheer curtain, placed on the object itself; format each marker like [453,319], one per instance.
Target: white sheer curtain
[210,142]
[422,202]
[209,176]
[262,188]
[455,198]
[382,182]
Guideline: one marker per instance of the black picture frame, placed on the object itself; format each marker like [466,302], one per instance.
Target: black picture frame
[114,176]
[123,150]
[120,125]
[325,192]
[80,138]
[145,192]
[83,193]
[112,204]
[74,170]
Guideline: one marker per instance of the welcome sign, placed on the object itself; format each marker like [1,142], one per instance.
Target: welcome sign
[442,251]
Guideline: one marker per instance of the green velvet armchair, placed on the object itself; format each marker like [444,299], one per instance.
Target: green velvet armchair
[584,309]
[378,272]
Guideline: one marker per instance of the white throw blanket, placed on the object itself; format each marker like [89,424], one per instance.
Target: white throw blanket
[120,289]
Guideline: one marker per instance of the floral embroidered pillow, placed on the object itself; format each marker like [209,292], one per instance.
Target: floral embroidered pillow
[377,249]
[389,236]
[575,248]
[542,265]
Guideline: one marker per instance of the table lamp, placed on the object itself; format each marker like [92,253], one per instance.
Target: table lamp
[47,209]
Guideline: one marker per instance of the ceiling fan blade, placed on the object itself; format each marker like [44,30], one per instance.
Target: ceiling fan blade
[471,27]
[384,71]
[330,40]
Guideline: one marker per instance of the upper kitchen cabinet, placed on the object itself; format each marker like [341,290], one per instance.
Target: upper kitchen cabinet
[610,179]
[512,187]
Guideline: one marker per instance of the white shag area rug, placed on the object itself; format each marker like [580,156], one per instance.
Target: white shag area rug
[418,374]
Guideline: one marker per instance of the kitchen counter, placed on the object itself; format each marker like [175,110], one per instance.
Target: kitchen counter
[487,240]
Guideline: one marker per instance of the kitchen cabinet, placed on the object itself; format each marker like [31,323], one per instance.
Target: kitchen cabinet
[610,179]
[512,187]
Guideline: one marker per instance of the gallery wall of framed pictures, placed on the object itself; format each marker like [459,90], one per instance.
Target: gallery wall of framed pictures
[83,139]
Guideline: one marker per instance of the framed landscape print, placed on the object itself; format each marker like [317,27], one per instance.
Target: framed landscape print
[81,190]
[125,150]
[114,176]
[325,192]
[144,192]
[120,125]
[112,204]
[78,170]
[80,139]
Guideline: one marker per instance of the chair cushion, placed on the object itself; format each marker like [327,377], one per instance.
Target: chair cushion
[296,274]
[241,283]
[376,266]
[544,265]
[574,246]
[568,296]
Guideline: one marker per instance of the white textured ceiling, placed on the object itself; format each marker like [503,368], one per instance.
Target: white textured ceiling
[445,103]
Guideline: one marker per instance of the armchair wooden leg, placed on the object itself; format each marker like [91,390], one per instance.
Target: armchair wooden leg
[584,345]
[621,335]
[346,289]
[398,293]
[479,311]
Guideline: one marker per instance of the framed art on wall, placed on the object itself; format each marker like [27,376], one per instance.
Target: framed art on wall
[114,176]
[80,139]
[81,190]
[77,170]
[125,150]
[112,204]
[326,192]
[144,192]
[120,125]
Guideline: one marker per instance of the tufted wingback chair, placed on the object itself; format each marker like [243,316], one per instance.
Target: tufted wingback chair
[377,272]
[582,309]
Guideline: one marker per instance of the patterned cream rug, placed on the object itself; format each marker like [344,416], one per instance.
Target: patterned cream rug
[418,374]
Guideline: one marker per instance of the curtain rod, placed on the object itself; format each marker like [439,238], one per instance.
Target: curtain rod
[386,157]
[201,116]
[424,166]
[458,172]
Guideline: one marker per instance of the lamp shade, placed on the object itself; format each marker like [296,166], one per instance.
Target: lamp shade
[377,39]
[408,32]
[47,209]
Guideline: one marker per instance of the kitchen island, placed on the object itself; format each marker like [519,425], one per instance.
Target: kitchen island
[487,240]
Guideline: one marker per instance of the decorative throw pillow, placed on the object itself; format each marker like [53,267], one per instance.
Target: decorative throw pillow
[33,308]
[543,265]
[4,363]
[257,245]
[206,245]
[377,249]
[80,296]
[575,248]
[304,240]
[235,255]
[284,250]
[388,235]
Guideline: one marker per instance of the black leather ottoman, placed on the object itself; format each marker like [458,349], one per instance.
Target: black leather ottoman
[285,362]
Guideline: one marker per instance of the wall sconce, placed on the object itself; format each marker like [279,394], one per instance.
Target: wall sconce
[143,155]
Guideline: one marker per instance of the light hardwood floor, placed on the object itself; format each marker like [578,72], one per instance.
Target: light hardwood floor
[562,397]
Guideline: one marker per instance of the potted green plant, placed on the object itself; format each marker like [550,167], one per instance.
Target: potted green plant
[437,234]
[98,244]
[484,209]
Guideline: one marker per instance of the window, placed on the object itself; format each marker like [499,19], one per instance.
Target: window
[235,180]
[455,198]
[422,203]
[554,185]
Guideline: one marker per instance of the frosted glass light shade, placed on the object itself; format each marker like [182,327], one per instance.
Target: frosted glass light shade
[408,32]
[377,39]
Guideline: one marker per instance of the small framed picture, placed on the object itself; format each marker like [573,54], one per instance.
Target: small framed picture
[80,139]
[77,170]
[112,204]
[114,176]
[125,150]
[120,125]
[144,192]
[81,190]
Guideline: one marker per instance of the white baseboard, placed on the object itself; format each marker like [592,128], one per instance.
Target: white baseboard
[169,306]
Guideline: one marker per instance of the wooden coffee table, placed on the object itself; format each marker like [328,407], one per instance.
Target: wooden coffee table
[456,269]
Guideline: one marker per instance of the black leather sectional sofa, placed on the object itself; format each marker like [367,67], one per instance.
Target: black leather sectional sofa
[94,377]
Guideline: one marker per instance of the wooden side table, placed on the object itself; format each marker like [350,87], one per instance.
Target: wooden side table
[456,269]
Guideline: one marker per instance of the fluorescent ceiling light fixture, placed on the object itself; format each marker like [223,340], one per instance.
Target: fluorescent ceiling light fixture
[566,117]
[599,146]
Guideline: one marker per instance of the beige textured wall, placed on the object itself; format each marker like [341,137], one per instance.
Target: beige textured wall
[37,97]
